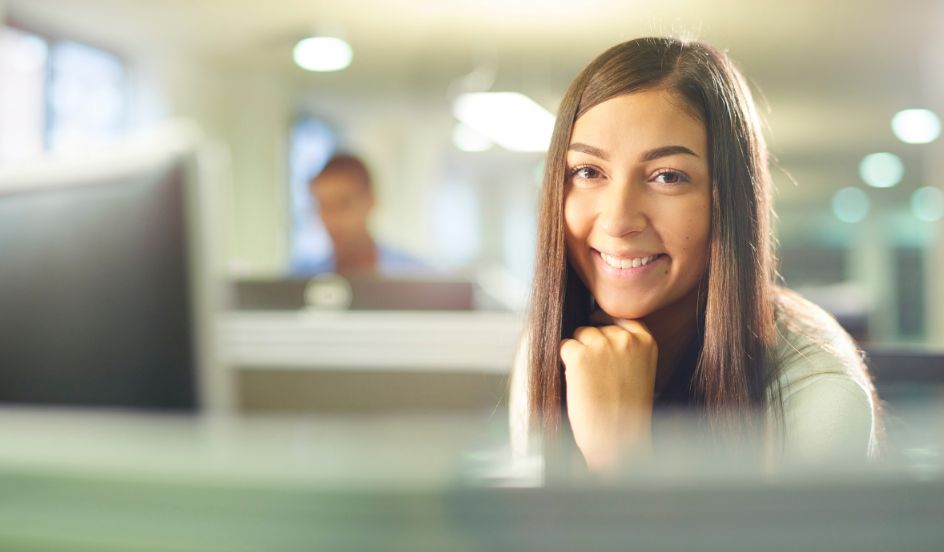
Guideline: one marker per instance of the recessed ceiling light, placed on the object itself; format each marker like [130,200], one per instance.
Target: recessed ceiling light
[323,54]
[916,126]
[881,170]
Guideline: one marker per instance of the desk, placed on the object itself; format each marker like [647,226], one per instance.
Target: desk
[80,481]
[438,341]
[370,362]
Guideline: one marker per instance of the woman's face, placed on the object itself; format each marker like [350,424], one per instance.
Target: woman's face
[637,203]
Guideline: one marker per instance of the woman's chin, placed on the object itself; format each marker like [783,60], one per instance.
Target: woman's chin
[625,312]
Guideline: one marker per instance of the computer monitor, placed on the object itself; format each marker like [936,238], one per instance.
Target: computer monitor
[97,284]
[357,292]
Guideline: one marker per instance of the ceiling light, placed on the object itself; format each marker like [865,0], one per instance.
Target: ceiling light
[511,120]
[850,205]
[916,126]
[881,170]
[322,53]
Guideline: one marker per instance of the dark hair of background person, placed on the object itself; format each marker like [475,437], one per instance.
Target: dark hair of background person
[736,298]
[349,164]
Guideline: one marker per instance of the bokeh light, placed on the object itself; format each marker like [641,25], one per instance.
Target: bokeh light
[851,205]
[927,204]
[916,126]
[323,54]
[881,170]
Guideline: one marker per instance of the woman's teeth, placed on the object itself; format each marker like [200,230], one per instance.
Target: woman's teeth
[617,262]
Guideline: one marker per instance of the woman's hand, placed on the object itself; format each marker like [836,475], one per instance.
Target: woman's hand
[610,373]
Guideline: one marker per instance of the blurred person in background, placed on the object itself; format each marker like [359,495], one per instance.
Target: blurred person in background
[344,194]
[654,282]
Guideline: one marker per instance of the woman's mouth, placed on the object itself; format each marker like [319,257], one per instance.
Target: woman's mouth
[626,265]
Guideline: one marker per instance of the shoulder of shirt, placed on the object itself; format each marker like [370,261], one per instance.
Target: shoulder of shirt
[812,346]
[391,259]
[827,394]
[310,267]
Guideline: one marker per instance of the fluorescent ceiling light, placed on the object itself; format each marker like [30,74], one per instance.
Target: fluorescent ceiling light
[916,126]
[322,53]
[511,120]
[881,170]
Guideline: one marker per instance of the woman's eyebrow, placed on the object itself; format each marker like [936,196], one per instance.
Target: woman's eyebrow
[666,151]
[650,155]
[590,150]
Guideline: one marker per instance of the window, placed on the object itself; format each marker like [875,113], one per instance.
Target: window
[86,96]
[57,95]
[22,107]
[312,142]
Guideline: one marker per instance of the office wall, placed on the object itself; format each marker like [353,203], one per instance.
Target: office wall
[405,139]
[247,112]
[254,122]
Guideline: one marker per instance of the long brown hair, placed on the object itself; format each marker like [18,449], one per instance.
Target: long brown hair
[736,325]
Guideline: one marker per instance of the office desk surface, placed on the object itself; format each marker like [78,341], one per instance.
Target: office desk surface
[92,481]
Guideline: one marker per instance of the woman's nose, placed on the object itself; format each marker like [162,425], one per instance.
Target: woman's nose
[623,210]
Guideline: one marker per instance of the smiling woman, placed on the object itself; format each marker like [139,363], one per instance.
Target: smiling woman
[630,179]
[654,277]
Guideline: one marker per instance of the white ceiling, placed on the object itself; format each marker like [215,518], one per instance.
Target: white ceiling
[832,72]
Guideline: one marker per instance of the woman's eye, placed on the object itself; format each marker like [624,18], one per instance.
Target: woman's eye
[585,173]
[671,177]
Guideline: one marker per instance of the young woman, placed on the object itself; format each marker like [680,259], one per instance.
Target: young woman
[654,278]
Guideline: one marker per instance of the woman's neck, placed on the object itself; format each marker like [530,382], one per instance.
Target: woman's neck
[357,255]
[673,328]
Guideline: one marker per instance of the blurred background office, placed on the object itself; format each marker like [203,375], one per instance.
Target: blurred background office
[857,230]
[852,95]
[450,104]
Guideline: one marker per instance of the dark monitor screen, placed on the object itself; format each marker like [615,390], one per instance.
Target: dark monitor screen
[362,292]
[95,306]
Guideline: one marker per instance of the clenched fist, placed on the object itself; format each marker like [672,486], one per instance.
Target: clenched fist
[610,373]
